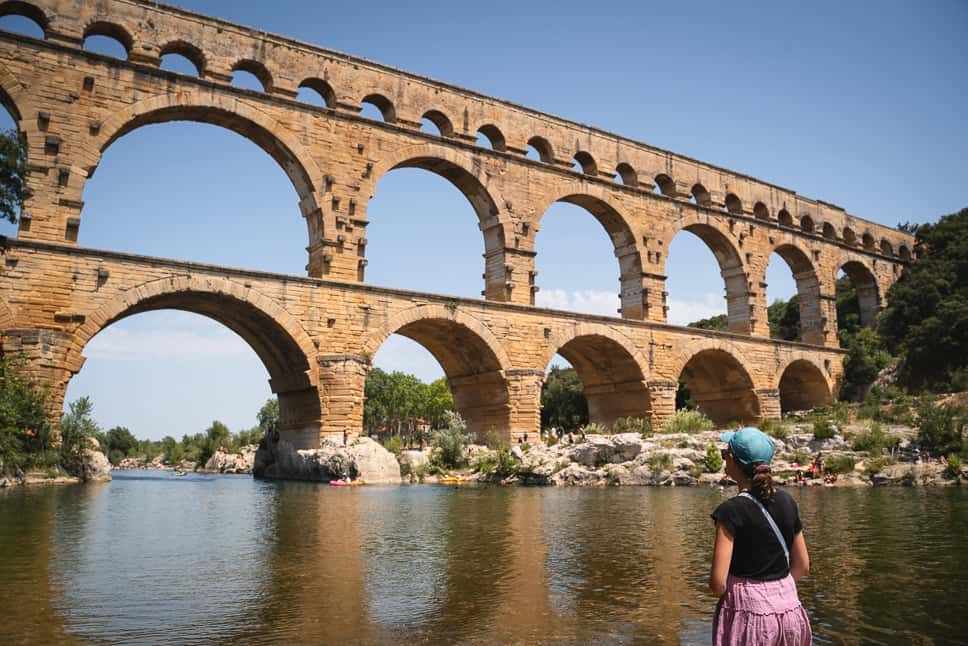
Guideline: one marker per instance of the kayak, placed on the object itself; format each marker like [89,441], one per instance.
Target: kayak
[451,479]
[340,483]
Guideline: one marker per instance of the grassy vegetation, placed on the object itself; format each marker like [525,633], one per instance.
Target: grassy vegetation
[688,421]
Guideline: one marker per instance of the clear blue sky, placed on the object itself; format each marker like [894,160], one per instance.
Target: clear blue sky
[857,104]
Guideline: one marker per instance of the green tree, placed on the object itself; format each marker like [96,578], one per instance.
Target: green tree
[563,402]
[24,425]
[119,444]
[719,323]
[77,425]
[864,361]
[784,319]
[13,173]
[268,415]
[925,322]
[451,440]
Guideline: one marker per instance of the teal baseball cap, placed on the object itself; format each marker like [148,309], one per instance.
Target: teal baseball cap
[749,445]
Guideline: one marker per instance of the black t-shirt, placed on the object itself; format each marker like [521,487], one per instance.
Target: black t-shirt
[756,551]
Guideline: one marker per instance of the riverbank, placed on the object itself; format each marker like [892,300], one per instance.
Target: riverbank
[94,467]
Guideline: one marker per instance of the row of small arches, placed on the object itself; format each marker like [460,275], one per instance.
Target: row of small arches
[320,92]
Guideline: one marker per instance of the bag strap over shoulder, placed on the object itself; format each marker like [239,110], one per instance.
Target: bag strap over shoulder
[773,526]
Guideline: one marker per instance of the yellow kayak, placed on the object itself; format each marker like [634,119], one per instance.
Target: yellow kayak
[451,479]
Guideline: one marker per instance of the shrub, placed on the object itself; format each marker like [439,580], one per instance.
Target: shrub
[823,429]
[395,445]
[876,465]
[596,429]
[493,441]
[486,463]
[775,428]
[688,421]
[695,471]
[77,426]
[506,464]
[714,459]
[638,425]
[659,462]
[954,465]
[450,441]
[839,464]
[942,428]
[24,426]
[801,457]
[873,440]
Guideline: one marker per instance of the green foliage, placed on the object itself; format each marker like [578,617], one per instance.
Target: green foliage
[13,173]
[714,459]
[506,466]
[775,428]
[451,440]
[268,416]
[719,323]
[493,441]
[924,322]
[876,465]
[485,464]
[823,428]
[784,319]
[563,403]
[688,421]
[77,425]
[865,359]
[25,440]
[395,445]
[839,464]
[874,440]
[954,465]
[684,399]
[889,405]
[638,425]
[596,429]
[119,443]
[659,462]
[941,429]
[802,457]
[397,402]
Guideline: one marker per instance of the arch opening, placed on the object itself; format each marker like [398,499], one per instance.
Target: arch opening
[886,247]
[720,388]
[686,271]
[540,149]
[849,236]
[436,122]
[585,164]
[700,195]
[858,299]
[248,74]
[215,201]
[803,387]
[490,136]
[108,39]
[784,218]
[760,212]
[410,207]
[665,185]
[612,381]
[9,122]
[904,253]
[183,57]
[626,175]
[733,204]
[378,108]
[280,350]
[580,288]
[829,231]
[318,92]
[179,64]
[798,318]
[807,225]
[23,18]
[471,366]
[868,241]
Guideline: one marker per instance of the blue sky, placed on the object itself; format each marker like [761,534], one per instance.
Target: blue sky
[839,101]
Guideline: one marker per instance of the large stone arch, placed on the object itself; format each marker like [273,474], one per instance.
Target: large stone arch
[473,359]
[807,280]
[612,370]
[619,229]
[721,243]
[723,387]
[472,182]
[279,340]
[232,113]
[864,280]
[802,384]
[13,96]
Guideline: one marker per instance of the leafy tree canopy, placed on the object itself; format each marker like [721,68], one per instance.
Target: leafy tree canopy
[563,401]
[13,171]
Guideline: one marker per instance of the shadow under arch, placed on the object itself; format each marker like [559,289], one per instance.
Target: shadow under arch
[802,386]
[472,358]
[721,387]
[470,181]
[228,113]
[808,292]
[623,243]
[865,284]
[730,268]
[611,371]
[276,337]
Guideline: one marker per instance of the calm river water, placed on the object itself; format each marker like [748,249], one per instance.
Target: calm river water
[155,559]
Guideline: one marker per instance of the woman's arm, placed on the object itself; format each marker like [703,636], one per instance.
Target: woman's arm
[722,555]
[799,558]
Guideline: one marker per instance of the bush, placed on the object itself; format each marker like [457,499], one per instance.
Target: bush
[941,429]
[596,429]
[823,429]
[873,440]
[486,463]
[714,459]
[876,465]
[493,441]
[24,426]
[695,471]
[395,445]
[775,428]
[801,457]
[839,464]
[450,441]
[660,462]
[506,464]
[638,425]
[688,421]
[76,427]
[954,465]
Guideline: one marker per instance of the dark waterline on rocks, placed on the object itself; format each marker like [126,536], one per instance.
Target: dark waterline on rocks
[154,559]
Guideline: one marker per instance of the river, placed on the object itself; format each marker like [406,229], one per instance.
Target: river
[155,559]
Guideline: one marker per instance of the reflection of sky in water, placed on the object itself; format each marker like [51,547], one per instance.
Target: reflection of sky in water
[558,515]
[403,549]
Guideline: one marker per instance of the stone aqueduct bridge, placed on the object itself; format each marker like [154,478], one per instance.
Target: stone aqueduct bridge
[316,334]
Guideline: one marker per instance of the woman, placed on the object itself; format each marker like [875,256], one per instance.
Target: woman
[759,553]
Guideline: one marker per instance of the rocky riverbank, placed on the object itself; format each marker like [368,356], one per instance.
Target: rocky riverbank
[94,468]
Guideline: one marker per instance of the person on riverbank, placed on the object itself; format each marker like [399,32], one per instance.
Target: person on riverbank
[759,552]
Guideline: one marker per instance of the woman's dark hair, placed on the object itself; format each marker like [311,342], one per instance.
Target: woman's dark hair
[761,481]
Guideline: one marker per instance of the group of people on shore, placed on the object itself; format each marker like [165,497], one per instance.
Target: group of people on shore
[814,471]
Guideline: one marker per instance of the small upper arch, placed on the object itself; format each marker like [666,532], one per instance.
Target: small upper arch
[829,231]
[849,236]
[904,253]
[868,240]
[322,88]
[734,204]
[256,69]
[806,224]
[586,162]
[113,31]
[383,104]
[886,247]
[26,10]
[494,137]
[626,174]
[667,186]
[441,121]
[784,218]
[700,195]
[190,52]
[760,212]
[543,148]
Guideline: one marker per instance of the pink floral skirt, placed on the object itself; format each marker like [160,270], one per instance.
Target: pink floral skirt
[761,613]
